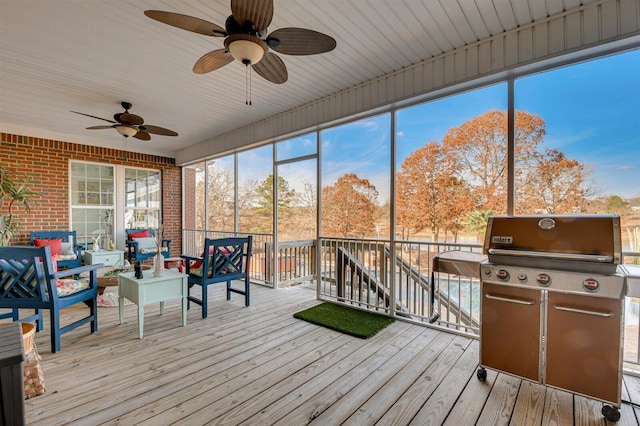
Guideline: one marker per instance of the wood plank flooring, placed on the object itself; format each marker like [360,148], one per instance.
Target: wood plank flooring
[260,366]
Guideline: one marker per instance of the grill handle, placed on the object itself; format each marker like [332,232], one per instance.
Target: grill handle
[506,299]
[583,311]
[548,255]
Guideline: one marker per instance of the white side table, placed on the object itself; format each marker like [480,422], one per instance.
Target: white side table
[108,257]
[150,289]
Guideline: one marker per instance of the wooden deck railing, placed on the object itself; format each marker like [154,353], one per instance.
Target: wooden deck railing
[360,272]
[296,259]
[193,243]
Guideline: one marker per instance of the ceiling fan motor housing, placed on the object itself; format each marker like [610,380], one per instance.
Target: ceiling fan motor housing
[233,27]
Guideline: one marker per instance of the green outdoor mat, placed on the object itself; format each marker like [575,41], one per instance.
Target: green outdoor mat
[347,320]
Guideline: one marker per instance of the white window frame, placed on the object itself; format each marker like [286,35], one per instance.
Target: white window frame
[119,206]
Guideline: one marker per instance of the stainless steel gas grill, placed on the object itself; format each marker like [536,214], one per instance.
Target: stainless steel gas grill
[552,307]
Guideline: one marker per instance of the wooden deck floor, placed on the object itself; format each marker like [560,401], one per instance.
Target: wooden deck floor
[260,366]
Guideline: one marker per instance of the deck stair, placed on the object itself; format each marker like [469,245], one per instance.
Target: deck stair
[360,274]
[440,297]
[358,270]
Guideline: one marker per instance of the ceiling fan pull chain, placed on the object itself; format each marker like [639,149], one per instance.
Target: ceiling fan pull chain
[124,147]
[246,84]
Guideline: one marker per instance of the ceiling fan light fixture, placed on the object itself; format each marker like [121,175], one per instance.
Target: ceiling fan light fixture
[245,48]
[126,131]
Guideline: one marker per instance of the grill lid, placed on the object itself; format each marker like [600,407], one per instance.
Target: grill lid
[582,238]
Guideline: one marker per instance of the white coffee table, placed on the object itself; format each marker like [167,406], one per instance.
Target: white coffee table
[150,289]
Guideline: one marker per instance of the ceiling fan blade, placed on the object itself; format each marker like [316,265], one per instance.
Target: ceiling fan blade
[188,23]
[128,118]
[260,12]
[212,61]
[93,116]
[143,136]
[272,68]
[99,127]
[155,130]
[300,41]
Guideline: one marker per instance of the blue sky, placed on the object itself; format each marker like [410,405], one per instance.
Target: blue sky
[591,111]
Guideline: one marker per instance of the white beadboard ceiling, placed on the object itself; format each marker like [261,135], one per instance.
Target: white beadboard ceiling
[58,56]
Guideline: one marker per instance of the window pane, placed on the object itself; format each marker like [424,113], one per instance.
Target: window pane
[297,204]
[586,157]
[255,166]
[136,182]
[92,222]
[451,158]
[92,200]
[220,194]
[142,218]
[355,178]
[142,198]
[296,147]
[91,185]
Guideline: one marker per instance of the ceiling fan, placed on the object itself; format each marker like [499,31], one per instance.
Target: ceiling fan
[247,41]
[128,125]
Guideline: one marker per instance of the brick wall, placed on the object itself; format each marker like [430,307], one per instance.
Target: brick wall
[47,162]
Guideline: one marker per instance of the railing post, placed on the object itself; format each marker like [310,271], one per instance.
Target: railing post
[268,256]
[340,270]
[382,261]
[312,258]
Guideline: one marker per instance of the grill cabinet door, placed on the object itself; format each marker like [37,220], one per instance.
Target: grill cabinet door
[510,330]
[583,349]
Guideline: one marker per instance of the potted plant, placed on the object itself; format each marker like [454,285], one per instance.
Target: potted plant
[14,193]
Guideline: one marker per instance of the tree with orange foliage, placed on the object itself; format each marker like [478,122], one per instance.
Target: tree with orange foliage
[349,207]
[429,193]
[554,185]
[479,146]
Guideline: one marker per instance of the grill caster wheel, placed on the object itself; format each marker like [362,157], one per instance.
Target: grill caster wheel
[482,375]
[610,413]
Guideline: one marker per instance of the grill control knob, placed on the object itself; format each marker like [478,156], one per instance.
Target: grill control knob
[591,285]
[543,279]
[522,277]
[502,274]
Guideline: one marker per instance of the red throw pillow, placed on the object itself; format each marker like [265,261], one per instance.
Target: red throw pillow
[196,264]
[55,244]
[139,234]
